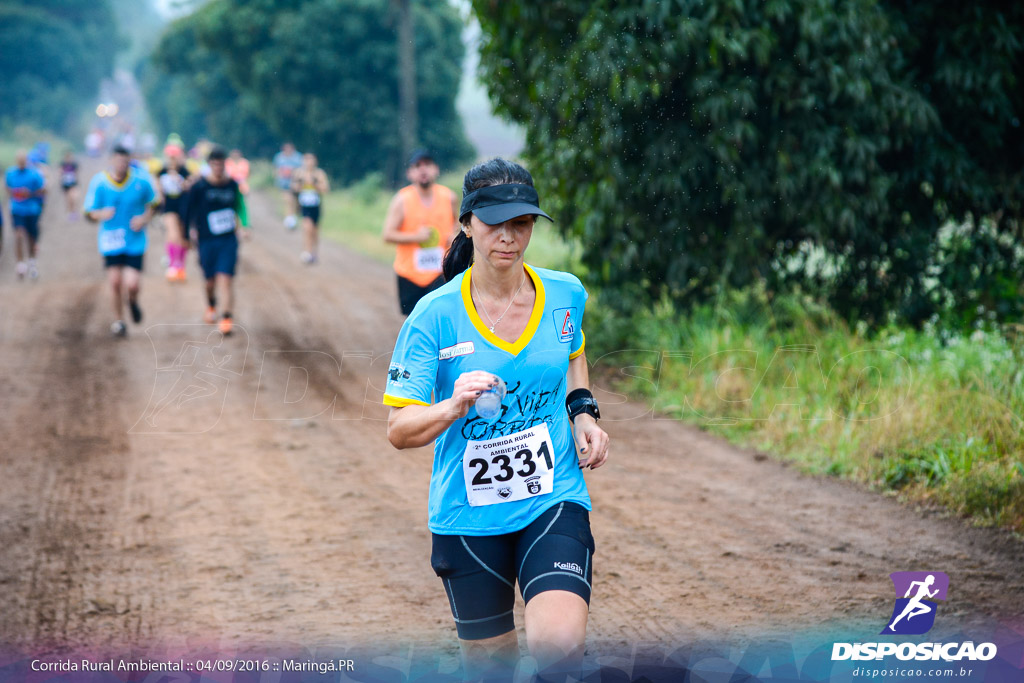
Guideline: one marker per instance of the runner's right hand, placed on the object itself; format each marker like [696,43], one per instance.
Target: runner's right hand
[424,234]
[468,388]
[105,214]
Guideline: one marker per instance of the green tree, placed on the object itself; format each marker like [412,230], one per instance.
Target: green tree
[188,92]
[695,145]
[326,75]
[53,54]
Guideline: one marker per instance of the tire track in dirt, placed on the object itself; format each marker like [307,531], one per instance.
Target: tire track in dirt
[79,443]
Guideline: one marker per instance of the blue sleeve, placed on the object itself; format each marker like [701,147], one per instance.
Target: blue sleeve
[578,338]
[148,193]
[413,369]
[92,195]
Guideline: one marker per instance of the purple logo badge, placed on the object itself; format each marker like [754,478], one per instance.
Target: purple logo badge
[916,593]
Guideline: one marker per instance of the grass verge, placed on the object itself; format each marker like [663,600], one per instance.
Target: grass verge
[937,418]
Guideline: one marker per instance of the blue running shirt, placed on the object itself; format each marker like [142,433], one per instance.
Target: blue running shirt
[502,464]
[130,198]
[23,183]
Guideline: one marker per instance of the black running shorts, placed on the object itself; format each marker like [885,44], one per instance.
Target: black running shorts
[123,261]
[409,293]
[311,212]
[479,572]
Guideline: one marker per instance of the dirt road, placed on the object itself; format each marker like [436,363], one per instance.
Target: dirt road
[173,488]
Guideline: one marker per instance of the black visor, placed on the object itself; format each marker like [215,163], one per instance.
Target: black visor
[499,203]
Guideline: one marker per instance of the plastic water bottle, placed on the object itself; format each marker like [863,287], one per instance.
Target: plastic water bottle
[488,406]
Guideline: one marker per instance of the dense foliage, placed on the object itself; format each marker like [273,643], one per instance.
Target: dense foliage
[188,92]
[696,145]
[53,54]
[322,73]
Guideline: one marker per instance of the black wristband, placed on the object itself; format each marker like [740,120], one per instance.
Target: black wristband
[581,401]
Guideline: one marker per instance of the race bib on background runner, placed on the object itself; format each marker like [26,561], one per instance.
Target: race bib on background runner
[429,259]
[113,240]
[222,221]
[509,468]
[309,198]
[171,184]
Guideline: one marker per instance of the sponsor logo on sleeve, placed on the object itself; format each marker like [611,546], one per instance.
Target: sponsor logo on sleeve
[563,318]
[396,373]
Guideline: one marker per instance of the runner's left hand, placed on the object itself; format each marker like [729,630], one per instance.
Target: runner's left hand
[591,440]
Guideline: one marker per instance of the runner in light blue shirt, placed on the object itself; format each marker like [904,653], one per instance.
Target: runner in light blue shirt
[122,202]
[508,501]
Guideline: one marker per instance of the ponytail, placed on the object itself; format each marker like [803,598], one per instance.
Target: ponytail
[459,256]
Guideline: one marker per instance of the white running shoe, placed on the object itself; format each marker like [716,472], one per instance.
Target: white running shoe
[21,269]
[307,258]
[291,222]
[33,269]
[119,329]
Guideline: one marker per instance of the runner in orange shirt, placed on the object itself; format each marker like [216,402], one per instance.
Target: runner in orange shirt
[422,220]
[237,168]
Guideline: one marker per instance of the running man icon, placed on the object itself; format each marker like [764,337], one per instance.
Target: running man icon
[190,392]
[919,590]
[915,607]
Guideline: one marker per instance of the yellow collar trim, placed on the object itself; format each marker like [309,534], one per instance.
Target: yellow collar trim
[531,325]
[121,184]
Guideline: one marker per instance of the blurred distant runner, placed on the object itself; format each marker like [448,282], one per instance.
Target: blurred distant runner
[26,189]
[173,181]
[69,183]
[38,158]
[237,168]
[216,213]
[94,143]
[285,163]
[309,184]
[422,221]
[122,202]
[193,165]
[147,144]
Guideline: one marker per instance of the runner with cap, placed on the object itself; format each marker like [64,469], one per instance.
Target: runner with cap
[173,181]
[26,188]
[216,214]
[122,202]
[310,184]
[508,502]
[421,222]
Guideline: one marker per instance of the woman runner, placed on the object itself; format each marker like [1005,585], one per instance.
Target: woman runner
[508,501]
